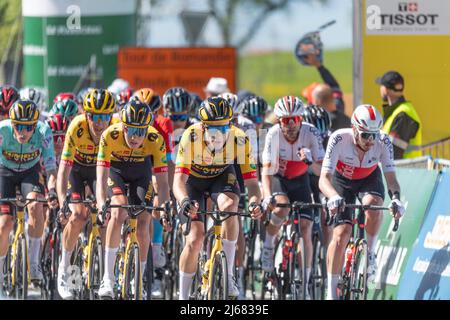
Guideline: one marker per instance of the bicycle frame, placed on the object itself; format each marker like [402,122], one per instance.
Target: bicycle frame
[94,234]
[20,231]
[206,276]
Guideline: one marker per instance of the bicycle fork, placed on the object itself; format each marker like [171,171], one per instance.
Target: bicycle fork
[130,242]
[20,217]
[206,277]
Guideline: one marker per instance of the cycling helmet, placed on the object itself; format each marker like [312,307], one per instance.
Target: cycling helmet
[254,106]
[99,101]
[318,117]
[66,108]
[81,94]
[8,95]
[58,123]
[34,95]
[232,101]
[136,114]
[63,96]
[366,118]
[196,101]
[24,112]
[214,110]
[289,106]
[149,97]
[123,97]
[176,99]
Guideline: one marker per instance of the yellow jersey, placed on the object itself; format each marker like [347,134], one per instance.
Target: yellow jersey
[113,148]
[79,146]
[195,158]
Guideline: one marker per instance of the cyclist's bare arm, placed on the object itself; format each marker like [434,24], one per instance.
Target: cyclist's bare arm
[162,187]
[179,186]
[266,182]
[62,181]
[326,185]
[101,189]
[51,180]
[392,182]
[254,194]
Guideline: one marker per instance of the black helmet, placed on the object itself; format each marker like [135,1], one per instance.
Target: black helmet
[215,109]
[196,101]
[176,99]
[24,112]
[136,114]
[318,117]
[254,106]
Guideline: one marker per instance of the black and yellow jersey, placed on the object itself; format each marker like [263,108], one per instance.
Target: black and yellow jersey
[196,159]
[113,148]
[79,146]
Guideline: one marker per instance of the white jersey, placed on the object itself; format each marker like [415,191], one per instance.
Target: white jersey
[342,156]
[281,156]
[249,128]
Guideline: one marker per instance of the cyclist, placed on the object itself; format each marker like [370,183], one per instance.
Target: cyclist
[77,168]
[23,141]
[37,97]
[205,159]
[123,97]
[58,124]
[196,101]
[64,96]
[164,126]
[129,152]
[8,95]
[319,118]
[290,147]
[350,169]
[67,108]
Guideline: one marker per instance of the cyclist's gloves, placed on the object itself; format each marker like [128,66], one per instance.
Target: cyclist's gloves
[397,207]
[269,201]
[308,156]
[186,205]
[252,208]
[336,202]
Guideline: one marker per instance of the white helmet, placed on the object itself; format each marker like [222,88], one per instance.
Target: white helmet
[34,95]
[289,106]
[232,101]
[366,118]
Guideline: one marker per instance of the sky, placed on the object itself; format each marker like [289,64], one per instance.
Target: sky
[281,30]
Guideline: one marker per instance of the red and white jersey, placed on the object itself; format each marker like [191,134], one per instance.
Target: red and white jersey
[281,156]
[342,156]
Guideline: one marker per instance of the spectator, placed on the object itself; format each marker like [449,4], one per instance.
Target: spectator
[323,96]
[329,79]
[216,86]
[401,120]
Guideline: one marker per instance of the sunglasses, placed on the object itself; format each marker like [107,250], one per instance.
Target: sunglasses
[99,117]
[179,117]
[214,129]
[368,135]
[26,127]
[257,119]
[131,131]
[289,120]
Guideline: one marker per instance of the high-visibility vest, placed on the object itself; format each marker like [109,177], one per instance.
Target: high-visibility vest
[407,108]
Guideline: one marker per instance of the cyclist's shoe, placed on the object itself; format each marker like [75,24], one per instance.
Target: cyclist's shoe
[372,267]
[267,263]
[233,290]
[36,272]
[106,290]
[157,289]
[63,288]
[159,256]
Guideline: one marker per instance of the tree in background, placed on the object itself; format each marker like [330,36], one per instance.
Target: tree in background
[11,41]
[257,12]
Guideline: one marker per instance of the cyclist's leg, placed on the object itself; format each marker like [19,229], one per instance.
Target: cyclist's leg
[326,230]
[341,235]
[116,191]
[156,233]
[240,250]
[278,215]
[31,187]
[194,240]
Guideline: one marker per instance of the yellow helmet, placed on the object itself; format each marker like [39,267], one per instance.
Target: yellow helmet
[144,95]
[99,101]
[215,110]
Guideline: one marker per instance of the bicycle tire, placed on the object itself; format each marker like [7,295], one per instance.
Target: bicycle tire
[133,292]
[358,283]
[7,272]
[219,274]
[46,261]
[55,257]
[21,269]
[302,269]
[318,275]
[96,269]
[149,273]
[80,289]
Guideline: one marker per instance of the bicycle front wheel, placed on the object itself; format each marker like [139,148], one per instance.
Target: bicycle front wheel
[21,269]
[132,281]
[95,269]
[358,282]
[318,269]
[219,281]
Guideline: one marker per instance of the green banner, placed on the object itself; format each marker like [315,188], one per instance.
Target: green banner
[394,248]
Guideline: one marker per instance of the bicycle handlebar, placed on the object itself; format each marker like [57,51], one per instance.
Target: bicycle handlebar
[215,215]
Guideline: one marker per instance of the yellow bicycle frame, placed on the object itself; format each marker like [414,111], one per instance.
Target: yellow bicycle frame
[206,275]
[20,218]
[131,241]
[94,234]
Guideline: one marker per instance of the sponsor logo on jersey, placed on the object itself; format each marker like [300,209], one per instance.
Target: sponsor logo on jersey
[21,157]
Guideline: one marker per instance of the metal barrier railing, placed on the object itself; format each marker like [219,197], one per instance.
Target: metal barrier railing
[439,164]
[437,149]
[425,162]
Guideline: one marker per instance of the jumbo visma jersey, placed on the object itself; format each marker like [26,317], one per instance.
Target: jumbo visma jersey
[196,159]
[20,157]
[114,149]
[79,146]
